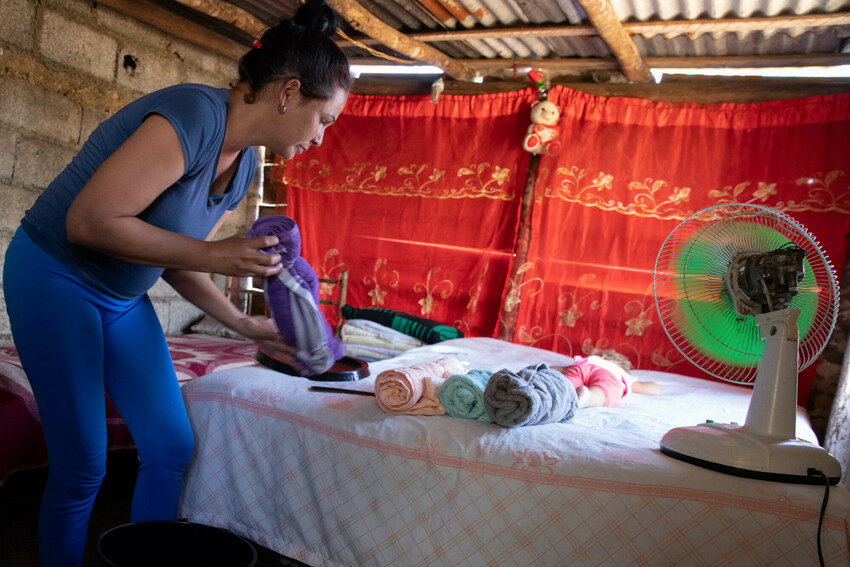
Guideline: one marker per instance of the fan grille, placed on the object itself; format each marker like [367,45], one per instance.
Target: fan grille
[696,309]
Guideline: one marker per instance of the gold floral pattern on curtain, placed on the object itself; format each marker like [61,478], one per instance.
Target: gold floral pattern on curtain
[658,199]
[419,201]
[475,181]
[629,171]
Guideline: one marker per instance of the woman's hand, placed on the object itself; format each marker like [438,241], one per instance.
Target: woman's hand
[200,290]
[264,333]
[240,256]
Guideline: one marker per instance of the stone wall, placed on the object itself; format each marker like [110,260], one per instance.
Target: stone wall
[66,65]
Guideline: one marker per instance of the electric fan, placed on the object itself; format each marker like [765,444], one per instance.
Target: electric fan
[745,293]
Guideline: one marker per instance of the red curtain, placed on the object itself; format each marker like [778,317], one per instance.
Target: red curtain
[629,171]
[419,201]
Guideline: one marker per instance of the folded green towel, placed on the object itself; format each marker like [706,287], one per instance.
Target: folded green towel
[462,395]
[424,329]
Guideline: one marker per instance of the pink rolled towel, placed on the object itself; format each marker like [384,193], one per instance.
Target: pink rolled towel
[415,389]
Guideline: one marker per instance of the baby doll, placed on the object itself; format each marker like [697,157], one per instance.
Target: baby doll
[599,381]
[542,135]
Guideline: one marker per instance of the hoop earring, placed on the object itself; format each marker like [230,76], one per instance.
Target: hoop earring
[281,109]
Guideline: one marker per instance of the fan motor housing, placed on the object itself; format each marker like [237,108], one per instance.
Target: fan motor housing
[764,282]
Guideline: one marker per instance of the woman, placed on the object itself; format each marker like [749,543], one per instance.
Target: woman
[141,200]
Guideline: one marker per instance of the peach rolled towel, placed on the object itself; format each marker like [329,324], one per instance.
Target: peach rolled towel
[415,389]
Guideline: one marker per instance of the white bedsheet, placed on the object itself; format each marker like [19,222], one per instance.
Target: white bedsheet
[330,479]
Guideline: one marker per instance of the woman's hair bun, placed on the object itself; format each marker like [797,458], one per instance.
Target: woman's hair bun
[318,16]
[301,47]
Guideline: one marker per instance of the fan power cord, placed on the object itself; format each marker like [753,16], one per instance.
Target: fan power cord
[815,472]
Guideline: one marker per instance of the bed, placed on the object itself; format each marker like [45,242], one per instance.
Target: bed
[328,478]
[23,444]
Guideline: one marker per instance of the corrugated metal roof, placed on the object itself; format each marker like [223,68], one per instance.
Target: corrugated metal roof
[640,18]
[269,11]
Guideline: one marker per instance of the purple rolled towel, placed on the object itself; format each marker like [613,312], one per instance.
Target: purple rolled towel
[293,298]
[289,237]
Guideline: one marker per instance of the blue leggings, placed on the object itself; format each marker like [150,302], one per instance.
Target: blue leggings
[75,343]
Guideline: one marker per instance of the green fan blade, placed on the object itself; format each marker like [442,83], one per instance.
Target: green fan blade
[696,307]
[707,313]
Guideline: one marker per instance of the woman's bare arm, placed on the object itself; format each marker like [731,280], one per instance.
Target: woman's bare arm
[104,215]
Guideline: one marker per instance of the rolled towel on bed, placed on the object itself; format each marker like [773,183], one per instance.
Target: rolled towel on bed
[462,395]
[533,396]
[292,297]
[414,389]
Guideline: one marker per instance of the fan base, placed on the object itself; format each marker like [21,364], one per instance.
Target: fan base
[730,449]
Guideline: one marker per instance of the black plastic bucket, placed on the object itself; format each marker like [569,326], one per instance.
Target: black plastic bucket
[172,544]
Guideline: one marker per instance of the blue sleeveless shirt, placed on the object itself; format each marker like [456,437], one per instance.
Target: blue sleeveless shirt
[198,114]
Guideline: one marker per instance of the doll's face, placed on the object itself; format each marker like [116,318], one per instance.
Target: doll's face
[545,113]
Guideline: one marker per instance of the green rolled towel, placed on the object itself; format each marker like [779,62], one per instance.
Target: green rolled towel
[423,329]
[462,395]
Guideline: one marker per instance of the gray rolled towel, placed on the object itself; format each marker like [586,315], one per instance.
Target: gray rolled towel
[534,395]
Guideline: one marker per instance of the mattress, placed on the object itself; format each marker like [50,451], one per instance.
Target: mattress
[23,445]
[330,479]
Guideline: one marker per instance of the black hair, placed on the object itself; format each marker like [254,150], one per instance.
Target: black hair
[299,48]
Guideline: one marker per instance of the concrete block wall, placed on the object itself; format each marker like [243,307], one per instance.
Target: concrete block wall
[66,65]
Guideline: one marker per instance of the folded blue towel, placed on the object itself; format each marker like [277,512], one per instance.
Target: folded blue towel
[462,395]
[292,297]
[534,395]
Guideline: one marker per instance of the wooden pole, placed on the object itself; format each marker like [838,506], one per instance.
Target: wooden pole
[602,16]
[510,306]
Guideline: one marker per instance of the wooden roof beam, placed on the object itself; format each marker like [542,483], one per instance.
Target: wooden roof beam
[360,19]
[355,14]
[162,19]
[574,65]
[751,61]
[227,12]
[602,16]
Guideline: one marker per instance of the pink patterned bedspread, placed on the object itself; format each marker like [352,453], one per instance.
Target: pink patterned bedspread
[22,445]
[331,480]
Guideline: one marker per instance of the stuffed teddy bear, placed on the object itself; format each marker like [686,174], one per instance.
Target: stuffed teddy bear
[543,130]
